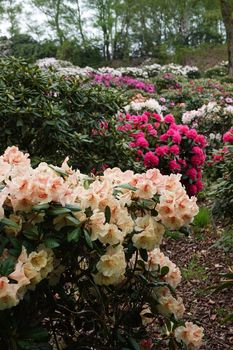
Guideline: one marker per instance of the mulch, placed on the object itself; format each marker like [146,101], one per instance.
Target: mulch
[203,306]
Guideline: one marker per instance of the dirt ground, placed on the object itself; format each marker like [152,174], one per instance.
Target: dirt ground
[201,266]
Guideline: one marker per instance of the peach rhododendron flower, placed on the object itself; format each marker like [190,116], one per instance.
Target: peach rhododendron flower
[156,258]
[190,334]
[168,304]
[8,293]
[111,266]
[127,220]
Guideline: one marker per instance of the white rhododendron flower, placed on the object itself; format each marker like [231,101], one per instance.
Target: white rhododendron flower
[150,104]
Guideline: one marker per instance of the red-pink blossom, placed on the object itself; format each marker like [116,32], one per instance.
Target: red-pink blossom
[151,160]
[197,151]
[175,149]
[192,189]
[228,136]
[162,150]
[169,119]
[174,166]
[192,173]
[199,185]
[142,142]
[192,134]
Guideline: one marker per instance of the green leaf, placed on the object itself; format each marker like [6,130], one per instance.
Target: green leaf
[74,235]
[32,233]
[143,254]
[228,318]
[143,279]
[7,266]
[58,211]
[51,243]
[134,344]
[164,271]
[73,207]
[58,171]
[24,344]
[88,239]
[107,214]
[185,230]
[73,220]
[9,222]
[127,187]
[40,207]
[37,334]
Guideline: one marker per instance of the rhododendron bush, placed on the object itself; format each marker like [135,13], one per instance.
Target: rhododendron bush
[80,255]
[123,82]
[222,162]
[161,143]
[210,118]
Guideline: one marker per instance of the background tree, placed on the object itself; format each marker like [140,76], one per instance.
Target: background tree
[55,12]
[227,14]
[12,10]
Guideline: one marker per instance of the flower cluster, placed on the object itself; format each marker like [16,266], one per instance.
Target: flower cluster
[147,105]
[219,155]
[210,117]
[122,81]
[109,220]
[228,136]
[178,69]
[161,143]
[143,71]
[28,271]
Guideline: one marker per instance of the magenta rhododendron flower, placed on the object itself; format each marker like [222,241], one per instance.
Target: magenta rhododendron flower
[169,119]
[192,134]
[151,160]
[122,81]
[228,136]
[162,150]
[174,166]
[192,173]
[142,142]
[174,148]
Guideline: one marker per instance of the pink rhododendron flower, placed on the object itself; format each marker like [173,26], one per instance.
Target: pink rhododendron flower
[192,134]
[151,160]
[201,141]
[192,189]
[169,119]
[199,185]
[175,149]
[197,160]
[174,166]
[197,151]
[192,173]
[162,150]
[157,117]
[142,142]
[228,136]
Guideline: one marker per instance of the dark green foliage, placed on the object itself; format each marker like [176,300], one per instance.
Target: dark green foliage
[80,56]
[223,188]
[52,117]
[23,45]
[219,71]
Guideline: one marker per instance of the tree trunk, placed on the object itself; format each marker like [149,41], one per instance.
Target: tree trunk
[227,14]
[57,23]
[80,26]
